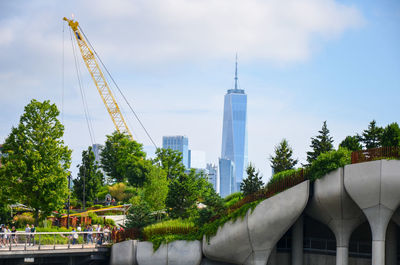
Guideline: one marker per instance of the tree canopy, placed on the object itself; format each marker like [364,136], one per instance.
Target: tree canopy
[351,143]
[391,135]
[253,182]
[283,157]
[320,144]
[123,159]
[90,176]
[170,161]
[371,137]
[36,160]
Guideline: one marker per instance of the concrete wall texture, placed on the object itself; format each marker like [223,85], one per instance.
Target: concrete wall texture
[342,200]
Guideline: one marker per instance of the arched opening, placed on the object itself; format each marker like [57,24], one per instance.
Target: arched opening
[361,242]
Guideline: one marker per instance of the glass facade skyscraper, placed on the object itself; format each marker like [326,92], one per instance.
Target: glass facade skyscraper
[178,143]
[234,133]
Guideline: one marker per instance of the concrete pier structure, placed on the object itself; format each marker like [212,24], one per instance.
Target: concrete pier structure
[375,187]
[332,206]
[351,216]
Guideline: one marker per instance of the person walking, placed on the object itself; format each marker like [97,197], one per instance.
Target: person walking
[33,232]
[7,235]
[27,234]
[90,234]
[2,229]
[74,236]
[14,235]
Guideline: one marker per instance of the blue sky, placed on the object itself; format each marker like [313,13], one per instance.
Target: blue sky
[300,62]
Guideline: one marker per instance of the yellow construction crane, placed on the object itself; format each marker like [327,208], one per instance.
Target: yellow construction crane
[99,79]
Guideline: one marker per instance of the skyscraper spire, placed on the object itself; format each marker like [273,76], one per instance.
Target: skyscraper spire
[236,77]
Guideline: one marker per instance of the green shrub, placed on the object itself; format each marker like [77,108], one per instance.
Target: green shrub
[233,198]
[175,226]
[329,161]
[283,174]
[21,220]
[139,216]
[110,222]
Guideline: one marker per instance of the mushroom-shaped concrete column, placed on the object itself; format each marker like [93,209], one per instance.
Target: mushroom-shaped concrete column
[251,240]
[333,206]
[375,187]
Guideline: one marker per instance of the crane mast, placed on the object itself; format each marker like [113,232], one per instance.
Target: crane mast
[99,79]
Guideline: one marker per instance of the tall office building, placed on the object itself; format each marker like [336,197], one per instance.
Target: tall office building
[227,180]
[234,134]
[213,176]
[178,143]
[96,148]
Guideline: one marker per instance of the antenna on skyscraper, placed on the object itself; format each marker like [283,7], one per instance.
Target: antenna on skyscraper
[236,77]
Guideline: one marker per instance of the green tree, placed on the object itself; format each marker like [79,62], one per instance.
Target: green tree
[182,195]
[283,157]
[391,135]
[121,191]
[36,160]
[352,143]
[156,188]
[139,216]
[170,161]
[90,178]
[320,144]
[123,159]
[372,136]
[253,182]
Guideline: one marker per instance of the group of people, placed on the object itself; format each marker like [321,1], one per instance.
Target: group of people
[97,234]
[7,236]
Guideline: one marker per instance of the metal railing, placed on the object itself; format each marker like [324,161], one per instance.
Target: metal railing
[22,241]
[375,154]
[327,246]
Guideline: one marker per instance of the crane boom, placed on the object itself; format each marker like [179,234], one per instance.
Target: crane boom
[99,79]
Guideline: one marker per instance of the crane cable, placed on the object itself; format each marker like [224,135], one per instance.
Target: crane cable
[125,99]
[83,96]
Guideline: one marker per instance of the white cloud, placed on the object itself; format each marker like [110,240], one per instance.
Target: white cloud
[277,30]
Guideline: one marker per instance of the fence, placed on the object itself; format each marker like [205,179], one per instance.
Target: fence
[52,240]
[375,154]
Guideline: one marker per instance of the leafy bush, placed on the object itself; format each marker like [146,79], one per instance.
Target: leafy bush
[232,198]
[175,226]
[329,161]
[139,216]
[283,174]
[110,222]
[21,220]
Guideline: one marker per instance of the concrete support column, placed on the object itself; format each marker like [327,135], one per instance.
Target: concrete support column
[342,255]
[272,258]
[378,217]
[297,242]
[391,244]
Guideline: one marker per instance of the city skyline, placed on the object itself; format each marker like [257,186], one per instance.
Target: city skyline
[315,61]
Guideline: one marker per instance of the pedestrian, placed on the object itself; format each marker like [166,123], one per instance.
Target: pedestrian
[2,230]
[90,234]
[14,235]
[106,234]
[33,232]
[85,234]
[74,236]
[7,235]
[27,234]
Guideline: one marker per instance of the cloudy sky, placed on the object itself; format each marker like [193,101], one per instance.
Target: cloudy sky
[301,62]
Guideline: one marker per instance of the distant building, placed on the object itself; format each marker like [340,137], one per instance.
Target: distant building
[213,176]
[197,159]
[96,148]
[1,152]
[178,143]
[234,133]
[226,177]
